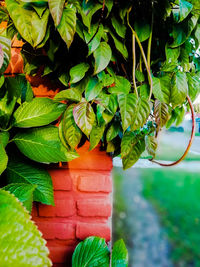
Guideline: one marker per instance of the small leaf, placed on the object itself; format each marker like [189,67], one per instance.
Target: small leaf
[151,145]
[161,113]
[96,135]
[78,72]
[119,27]
[67,26]
[102,56]
[19,171]
[19,236]
[113,131]
[88,10]
[143,30]
[119,45]
[93,251]
[72,94]
[56,9]
[110,147]
[95,42]
[93,89]
[24,192]
[5,53]
[181,11]
[119,256]
[122,86]
[3,158]
[84,117]
[139,76]
[71,131]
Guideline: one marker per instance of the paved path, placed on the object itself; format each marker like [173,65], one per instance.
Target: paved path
[148,246]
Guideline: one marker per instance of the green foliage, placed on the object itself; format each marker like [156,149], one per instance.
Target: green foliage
[119,254]
[19,232]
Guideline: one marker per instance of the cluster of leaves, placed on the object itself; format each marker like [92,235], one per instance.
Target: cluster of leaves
[114,91]
[93,251]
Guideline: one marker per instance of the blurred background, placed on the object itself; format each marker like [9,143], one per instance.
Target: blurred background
[157,209]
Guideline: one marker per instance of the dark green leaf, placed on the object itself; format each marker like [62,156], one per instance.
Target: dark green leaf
[102,56]
[113,131]
[129,139]
[162,88]
[95,42]
[96,135]
[56,9]
[151,145]
[89,8]
[78,72]
[143,30]
[119,27]
[161,113]
[119,254]
[120,46]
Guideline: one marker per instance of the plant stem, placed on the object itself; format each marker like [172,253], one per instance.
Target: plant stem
[134,64]
[150,41]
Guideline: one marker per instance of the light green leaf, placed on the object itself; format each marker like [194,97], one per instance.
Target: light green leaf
[122,86]
[143,30]
[139,76]
[71,131]
[67,26]
[5,53]
[182,10]
[78,72]
[128,141]
[84,117]
[56,10]
[113,131]
[162,88]
[72,94]
[151,144]
[119,256]
[38,112]
[127,105]
[193,84]
[179,89]
[96,135]
[161,113]
[93,89]
[19,171]
[43,145]
[4,138]
[20,243]
[24,192]
[95,42]
[102,56]
[3,159]
[119,27]
[30,26]
[93,251]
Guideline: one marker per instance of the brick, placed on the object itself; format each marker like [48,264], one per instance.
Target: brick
[61,253]
[95,182]
[34,211]
[59,230]
[94,207]
[83,230]
[61,179]
[64,206]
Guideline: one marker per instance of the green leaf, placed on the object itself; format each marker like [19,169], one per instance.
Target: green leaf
[95,42]
[127,105]
[78,72]
[141,113]
[5,53]
[19,171]
[151,145]
[71,131]
[161,113]
[182,10]
[193,84]
[102,56]
[19,236]
[110,147]
[172,54]
[4,138]
[128,141]
[72,94]
[3,158]
[119,45]
[162,88]
[24,192]
[67,26]
[84,117]
[96,135]
[143,30]
[89,8]
[93,251]
[38,112]
[179,89]
[7,106]
[122,86]
[43,145]
[93,89]
[139,76]
[113,131]
[119,27]
[3,14]
[30,26]
[119,256]
[56,9]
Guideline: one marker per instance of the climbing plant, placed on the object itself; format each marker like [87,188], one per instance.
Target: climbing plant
[125,68]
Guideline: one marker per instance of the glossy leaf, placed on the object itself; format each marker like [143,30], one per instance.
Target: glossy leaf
[24,192]
[162,88]
[96,135]
[88,10]
[38,112]
[30,26]
[78,72]
[84,117]
[19,171]
[120,46]
[5,53]
[43,145]
[97,253]
[72,94]
[93,89]
[182,10]
[95,42]
[56,10]
[119,27]
[161,113]
[151,145]
[71,131]
[127,105]
[102,56]
[122,86]
[67,26]
[119,254]
[193,84]
[179,88]
[113,131]
[19,234]
[128,141]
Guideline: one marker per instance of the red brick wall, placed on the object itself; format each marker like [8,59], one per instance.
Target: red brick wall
[82,191]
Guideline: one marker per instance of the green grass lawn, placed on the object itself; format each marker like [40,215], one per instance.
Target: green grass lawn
[176,195]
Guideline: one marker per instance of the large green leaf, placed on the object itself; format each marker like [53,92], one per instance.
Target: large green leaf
[20,243]
[113,131]
[120,46]
[161,113]
[119,27]
[78,72]
[95,42]
[182,10]
[71,131]
[19,171]
[141,113]
[43,145]
[30,26]
[151,144]
[56,8]
[84,117]
[89,8]
[179,89]
[93,251]
[96,135]
[193,84]
[93,89]
[127,105]
[5,53]
[24,192]
[38,112]
[129,139]
[67,26]
[122,86]
[119,254]
[102,56]
[162,88]
[142,29]
[72,94]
